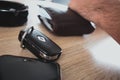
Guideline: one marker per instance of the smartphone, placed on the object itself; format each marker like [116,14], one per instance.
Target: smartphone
[24,68]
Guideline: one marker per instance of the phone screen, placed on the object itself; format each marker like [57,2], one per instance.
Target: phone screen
[22,68]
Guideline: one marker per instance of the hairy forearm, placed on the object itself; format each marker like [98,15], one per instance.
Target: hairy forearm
[111,24]
[105,14]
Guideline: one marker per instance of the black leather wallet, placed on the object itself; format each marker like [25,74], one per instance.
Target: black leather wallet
[23,68]
[61,20]
[13,13]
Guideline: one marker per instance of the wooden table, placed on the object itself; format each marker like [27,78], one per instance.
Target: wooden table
[90,57]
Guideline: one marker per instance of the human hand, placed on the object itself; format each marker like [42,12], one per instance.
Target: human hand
[104,13]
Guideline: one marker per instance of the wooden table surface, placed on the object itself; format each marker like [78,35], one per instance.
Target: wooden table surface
[90,57]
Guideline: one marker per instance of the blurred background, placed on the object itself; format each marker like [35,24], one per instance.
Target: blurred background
[64,2]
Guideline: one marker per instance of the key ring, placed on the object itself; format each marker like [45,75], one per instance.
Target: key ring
[24,35]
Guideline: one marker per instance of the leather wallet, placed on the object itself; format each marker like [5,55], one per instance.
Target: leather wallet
[61,20]
[23,68]
[13,13]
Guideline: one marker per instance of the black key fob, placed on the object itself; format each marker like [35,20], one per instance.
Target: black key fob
[39,44]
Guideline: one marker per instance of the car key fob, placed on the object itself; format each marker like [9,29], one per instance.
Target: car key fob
[39,44]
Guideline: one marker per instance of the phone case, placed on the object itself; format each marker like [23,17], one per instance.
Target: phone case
[23,68]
